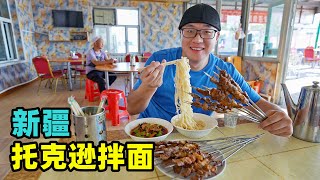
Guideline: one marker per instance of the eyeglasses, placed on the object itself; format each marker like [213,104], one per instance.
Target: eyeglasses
[204,33]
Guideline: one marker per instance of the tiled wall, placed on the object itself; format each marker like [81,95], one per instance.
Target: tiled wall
[14,74]
[266,71]
[159,24]
[33,22]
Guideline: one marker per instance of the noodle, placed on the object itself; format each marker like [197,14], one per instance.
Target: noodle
[183,97]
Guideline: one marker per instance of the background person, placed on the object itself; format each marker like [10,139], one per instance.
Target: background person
[96,56]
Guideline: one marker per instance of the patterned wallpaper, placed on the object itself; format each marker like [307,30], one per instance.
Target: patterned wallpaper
[159,24]
[266,71]
[32,23]
[15,74]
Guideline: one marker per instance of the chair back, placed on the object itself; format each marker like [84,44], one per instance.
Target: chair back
[136,58]
[309,53]
[147,54]
[77,63]
[127,58]
[42,65]
[79,55]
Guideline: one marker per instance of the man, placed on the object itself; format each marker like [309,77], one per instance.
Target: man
[153,94]
[95,57]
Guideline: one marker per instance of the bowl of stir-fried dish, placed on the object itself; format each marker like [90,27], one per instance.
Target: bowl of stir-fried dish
[148,129]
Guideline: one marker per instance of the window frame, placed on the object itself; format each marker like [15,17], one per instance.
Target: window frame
[263,58]
[15,51]
[98,25]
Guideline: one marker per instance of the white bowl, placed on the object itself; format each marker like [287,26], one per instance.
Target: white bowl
[210,122]
[159,121]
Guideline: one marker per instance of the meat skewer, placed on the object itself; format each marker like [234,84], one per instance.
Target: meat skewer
[227,86]
[197,164]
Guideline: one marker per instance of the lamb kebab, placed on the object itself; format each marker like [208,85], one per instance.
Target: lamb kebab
[186,159]
[227,96]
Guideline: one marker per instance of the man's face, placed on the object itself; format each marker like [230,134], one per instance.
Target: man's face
[99,44]
[197,49]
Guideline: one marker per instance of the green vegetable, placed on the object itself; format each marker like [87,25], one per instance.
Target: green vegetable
[159,133]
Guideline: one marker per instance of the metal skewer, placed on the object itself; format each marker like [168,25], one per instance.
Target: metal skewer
[220,149]
[257,107]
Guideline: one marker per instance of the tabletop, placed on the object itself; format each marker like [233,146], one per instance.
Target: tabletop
[270,157]
[67,60]
[121,67]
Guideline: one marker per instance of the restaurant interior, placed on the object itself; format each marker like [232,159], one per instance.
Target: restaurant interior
[43,51]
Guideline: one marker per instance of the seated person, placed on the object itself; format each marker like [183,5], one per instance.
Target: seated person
[153,94]
[96,56]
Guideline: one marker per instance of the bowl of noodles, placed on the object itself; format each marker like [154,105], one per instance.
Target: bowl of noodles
[200,125]
[149,129]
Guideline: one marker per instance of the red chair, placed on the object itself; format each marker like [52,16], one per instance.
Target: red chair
[92,90]
[128,56]
[310,56]
[145,56]
[44,71]
[114,111]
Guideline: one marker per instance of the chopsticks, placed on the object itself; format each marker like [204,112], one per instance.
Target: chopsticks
[75,106]
[166,64]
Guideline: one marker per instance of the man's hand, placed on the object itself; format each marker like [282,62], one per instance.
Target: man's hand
[151,76]
[277,123]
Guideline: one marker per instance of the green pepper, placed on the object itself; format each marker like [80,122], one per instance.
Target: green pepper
[138,134]
[159,133]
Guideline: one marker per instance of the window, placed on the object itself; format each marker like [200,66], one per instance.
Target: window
[123,36]
[7,44]
[230,20]
[264,29]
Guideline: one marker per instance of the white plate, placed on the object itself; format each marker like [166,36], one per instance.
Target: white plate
[159,121]
[169,171]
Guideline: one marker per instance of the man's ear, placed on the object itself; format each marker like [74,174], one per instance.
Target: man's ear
[217,35]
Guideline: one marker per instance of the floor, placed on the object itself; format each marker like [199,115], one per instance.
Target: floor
[27,97]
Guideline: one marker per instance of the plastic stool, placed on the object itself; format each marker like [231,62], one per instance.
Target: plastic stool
[92,90]
[113,97]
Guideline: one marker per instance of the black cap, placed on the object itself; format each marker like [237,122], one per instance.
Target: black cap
[201,13]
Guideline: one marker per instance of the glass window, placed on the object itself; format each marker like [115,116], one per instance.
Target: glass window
[127,17]
[7,44]
[117,39]
[10,42]
[104,16]
[114,38]
[230,20]
[133,40]
[264,29]
[4,12]
[123,37]
[3,56]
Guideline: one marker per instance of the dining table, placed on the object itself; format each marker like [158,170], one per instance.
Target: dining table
[121,67]
[68,61]
[270,157]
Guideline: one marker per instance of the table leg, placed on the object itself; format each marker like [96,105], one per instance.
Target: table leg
[107,79]
[131,81]
[69,76]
